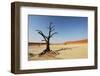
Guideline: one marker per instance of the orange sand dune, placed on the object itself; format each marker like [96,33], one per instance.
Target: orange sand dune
[77,42]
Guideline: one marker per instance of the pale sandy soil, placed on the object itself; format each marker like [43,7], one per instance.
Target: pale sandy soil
[69,51]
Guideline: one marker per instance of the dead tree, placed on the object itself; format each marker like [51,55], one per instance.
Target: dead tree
[51,33]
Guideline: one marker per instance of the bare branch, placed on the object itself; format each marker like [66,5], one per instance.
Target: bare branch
[52,30]
[53,34]
[41,33]
[50,26]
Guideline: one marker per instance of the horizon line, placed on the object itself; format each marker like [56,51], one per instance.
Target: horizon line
[60,42]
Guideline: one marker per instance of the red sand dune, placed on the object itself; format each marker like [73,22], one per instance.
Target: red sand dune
[77,42]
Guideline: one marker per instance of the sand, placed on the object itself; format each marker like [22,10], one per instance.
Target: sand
[63,51]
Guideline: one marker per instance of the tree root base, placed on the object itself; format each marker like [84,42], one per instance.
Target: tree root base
[49,53]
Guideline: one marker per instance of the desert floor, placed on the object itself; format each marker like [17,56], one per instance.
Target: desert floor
[69,51]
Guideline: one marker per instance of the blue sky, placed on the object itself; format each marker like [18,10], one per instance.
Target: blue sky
[69,28]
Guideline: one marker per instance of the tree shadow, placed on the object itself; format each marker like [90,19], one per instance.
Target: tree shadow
[63,49]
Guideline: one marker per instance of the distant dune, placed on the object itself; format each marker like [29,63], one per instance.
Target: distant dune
[77,42]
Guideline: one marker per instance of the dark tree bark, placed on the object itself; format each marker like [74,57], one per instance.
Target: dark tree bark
[48,46]
[47,38]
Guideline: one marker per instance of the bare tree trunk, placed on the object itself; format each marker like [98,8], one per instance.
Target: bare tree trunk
[48,46]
